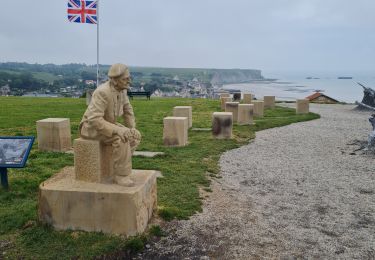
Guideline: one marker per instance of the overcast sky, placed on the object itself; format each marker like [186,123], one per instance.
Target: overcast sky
[262,34]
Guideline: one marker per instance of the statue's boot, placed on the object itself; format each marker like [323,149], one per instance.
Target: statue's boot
[124,181]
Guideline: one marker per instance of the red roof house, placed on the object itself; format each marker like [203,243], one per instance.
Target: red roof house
[318,97]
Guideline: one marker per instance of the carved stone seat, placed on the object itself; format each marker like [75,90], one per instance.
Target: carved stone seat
[233,108]
[54,134]
[175,132]
[302,106]
[93,161]
[222,124]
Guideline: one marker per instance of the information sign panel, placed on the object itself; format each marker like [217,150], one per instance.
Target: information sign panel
[14,150]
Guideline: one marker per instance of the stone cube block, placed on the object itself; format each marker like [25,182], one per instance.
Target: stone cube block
[224,100]
[184,111]
[54,134]
[93,161]
[258,108]
[302,106]
[66,203]
[245,114]
[269,101]
[237,96]
[232,107]
[247,97]
[222,124]
[175,132]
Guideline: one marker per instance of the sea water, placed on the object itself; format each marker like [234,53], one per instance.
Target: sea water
[292,86]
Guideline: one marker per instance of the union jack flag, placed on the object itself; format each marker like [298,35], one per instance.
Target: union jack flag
[82,11]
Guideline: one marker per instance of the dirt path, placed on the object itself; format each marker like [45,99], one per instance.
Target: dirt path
[295,192]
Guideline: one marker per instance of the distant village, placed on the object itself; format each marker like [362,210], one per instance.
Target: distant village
[193,88]
[74,80]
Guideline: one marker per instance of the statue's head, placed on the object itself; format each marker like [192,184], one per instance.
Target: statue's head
[119,76]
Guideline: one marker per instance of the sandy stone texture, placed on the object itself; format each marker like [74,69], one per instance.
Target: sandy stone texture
[54,134]
[222,124]
[295,192]
[302,106]
[67,203]
[232,107]
[175,131]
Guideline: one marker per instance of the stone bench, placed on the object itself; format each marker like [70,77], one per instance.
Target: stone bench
[269,101]
[222,124]
[233,108]
[54,134]
[247,97]
[175,132]
[224,100]
[184,111]
[302,106]
[237,96]
[258,108]
[93,161]
[245,114]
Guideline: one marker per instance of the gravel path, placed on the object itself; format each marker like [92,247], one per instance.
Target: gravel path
[296,192]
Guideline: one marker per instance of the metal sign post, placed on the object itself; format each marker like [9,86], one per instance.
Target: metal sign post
[4,178]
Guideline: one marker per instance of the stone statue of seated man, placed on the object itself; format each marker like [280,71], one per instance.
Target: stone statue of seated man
[110,101]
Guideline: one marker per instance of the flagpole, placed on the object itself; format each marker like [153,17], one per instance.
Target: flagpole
[97,46]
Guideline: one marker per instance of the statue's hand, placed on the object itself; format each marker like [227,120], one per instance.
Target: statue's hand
[123,133]
[135,134]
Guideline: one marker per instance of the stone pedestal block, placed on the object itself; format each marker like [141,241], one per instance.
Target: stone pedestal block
[232,107]
[247,97]
[245,114]
[66,203]
[224,95]
[222,124]
[237,96]
[302,106]
[224,100]
[184,111]
[175,131]
[93,161]
[54,134]
[269,101]
[258,108]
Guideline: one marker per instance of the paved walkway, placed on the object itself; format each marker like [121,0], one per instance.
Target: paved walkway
[296,192]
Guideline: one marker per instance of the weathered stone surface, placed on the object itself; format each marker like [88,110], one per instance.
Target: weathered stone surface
[224,95]
[245,114]
[184,111]
[175,131]
[224,100]
[247,97]
[66,203]
[93,161]
[232,107]
[269,101]
[222,124]
[237,96]
[258,108]
[302,106]
[54,134]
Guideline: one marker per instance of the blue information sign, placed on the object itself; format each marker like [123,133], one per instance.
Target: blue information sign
[14,151]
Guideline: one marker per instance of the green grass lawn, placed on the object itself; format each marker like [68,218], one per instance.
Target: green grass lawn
[185,170]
